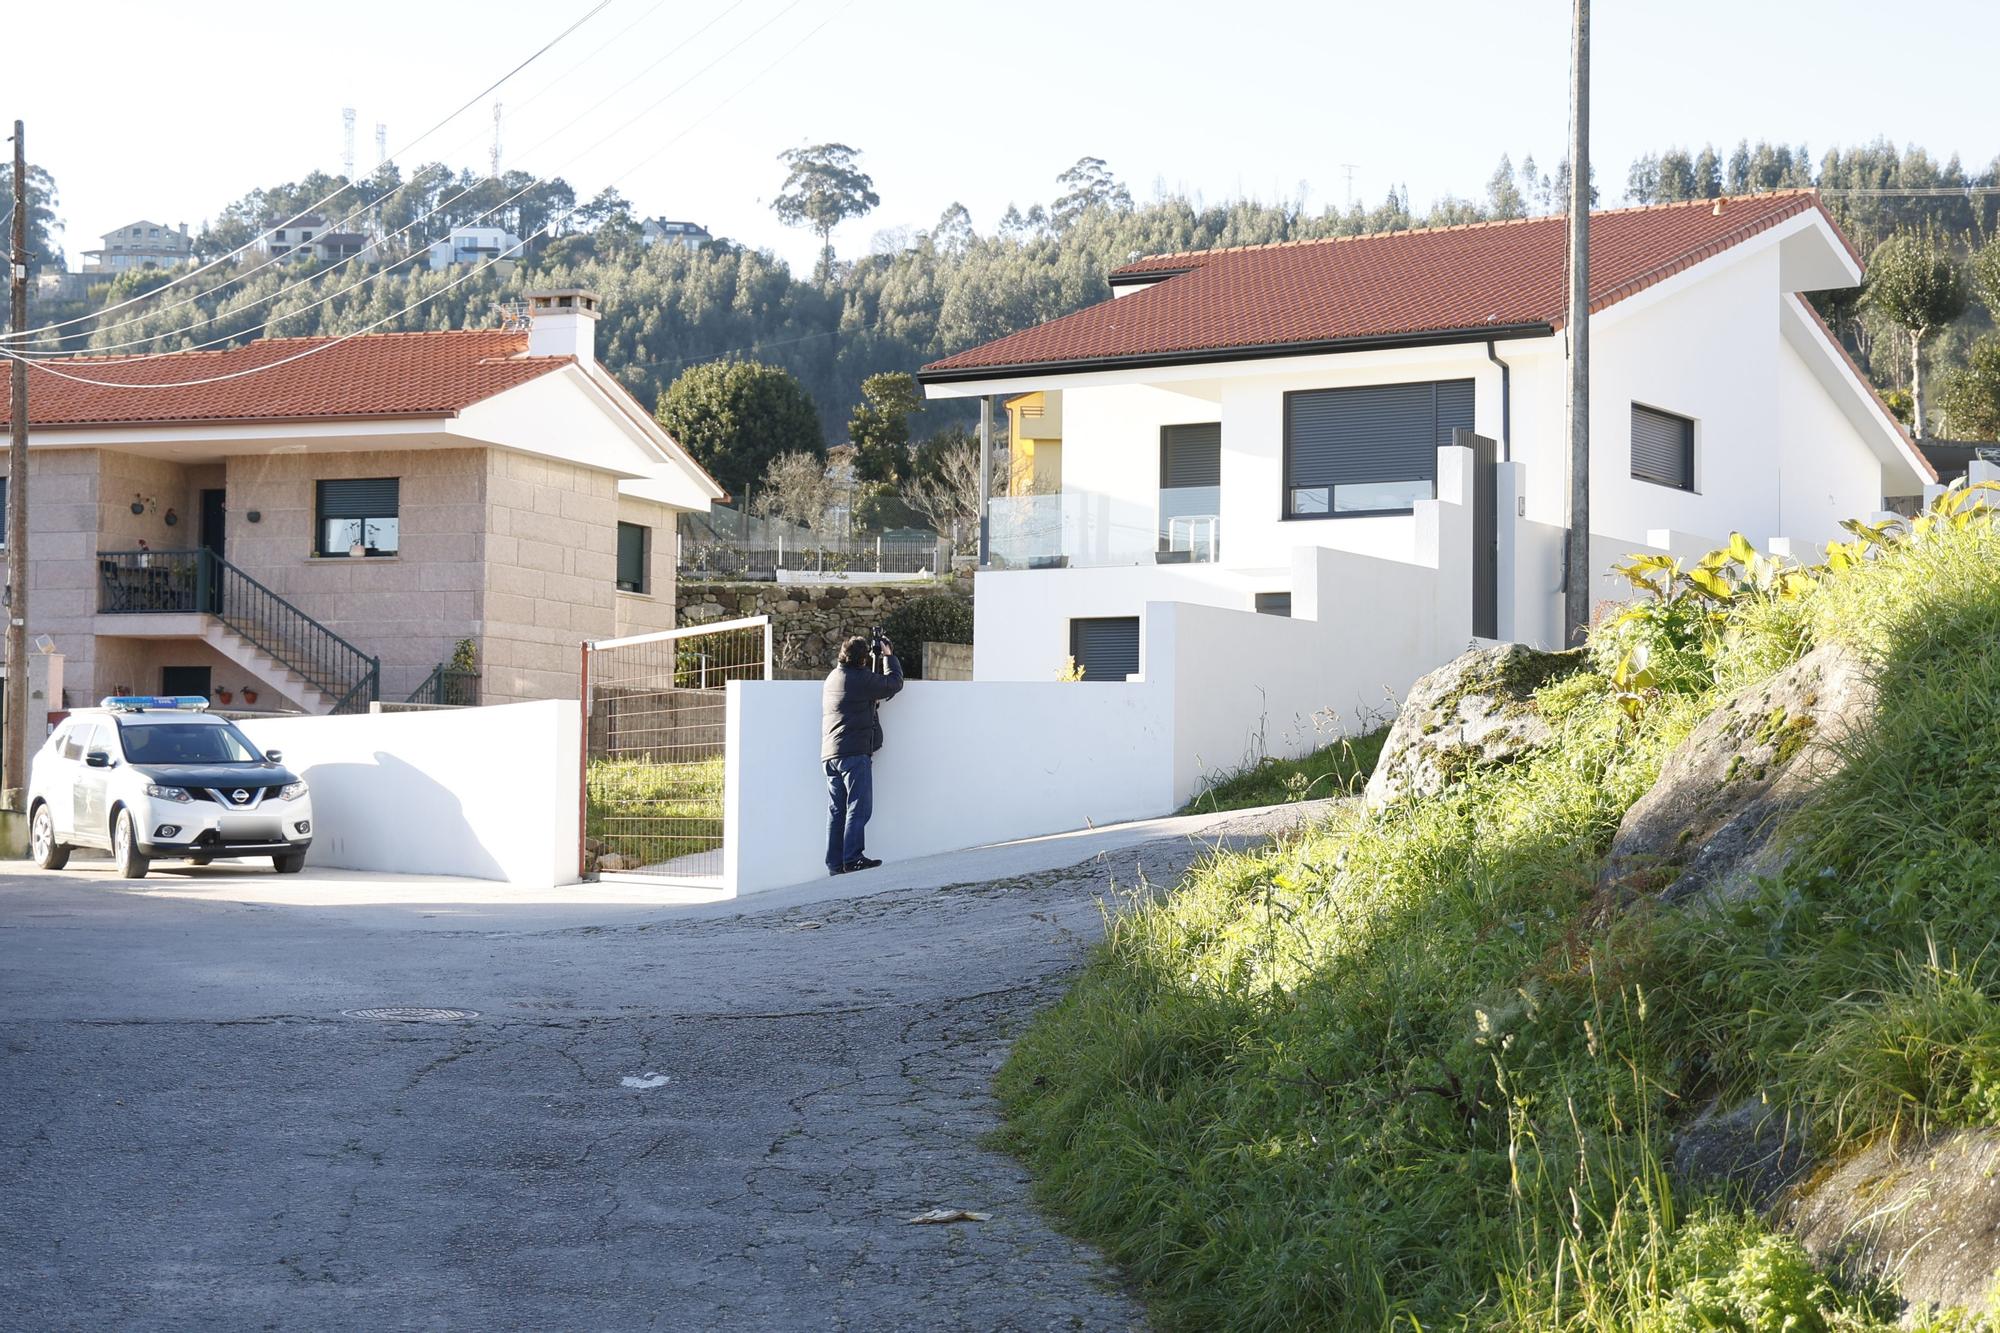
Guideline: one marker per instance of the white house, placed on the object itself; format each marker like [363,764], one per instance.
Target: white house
[140,244]
[667,231]
[1259,492]
[1232,420]
[474,245]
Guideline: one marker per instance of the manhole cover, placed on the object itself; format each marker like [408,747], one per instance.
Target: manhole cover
[411,1014]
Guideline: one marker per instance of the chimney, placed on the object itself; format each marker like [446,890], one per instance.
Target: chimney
[562,322]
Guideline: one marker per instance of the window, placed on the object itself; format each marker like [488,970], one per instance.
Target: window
[634,543]
[360,512]
[1106,647]
[1274,604]
[1190,487]
[1662,448]
[187,743]
[1368,450]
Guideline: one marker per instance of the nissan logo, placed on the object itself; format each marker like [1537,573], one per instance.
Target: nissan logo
[239,796]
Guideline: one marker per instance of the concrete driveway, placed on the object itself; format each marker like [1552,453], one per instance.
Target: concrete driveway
[704,1117]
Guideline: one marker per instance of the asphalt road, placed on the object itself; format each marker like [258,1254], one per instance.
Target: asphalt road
[196,1137]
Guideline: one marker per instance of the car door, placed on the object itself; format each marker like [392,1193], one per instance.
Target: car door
[91,785]
[55,774]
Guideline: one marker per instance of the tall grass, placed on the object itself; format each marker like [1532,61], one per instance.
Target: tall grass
[1405,1069]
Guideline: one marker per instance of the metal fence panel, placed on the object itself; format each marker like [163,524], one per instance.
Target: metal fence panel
[653,747]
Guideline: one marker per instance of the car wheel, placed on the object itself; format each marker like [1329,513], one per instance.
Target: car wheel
[291,863]
[132,863]
[48,853]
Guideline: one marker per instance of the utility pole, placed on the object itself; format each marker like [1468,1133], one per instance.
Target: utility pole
[14,759]
[1576,557]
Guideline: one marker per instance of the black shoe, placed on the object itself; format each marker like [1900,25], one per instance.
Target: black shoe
[861,863]
[837,870]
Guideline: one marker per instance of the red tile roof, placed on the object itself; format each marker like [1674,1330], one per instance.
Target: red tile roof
[435,374]
[1390,286]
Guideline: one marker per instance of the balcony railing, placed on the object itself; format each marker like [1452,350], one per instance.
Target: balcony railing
[142,582]
[1081,529]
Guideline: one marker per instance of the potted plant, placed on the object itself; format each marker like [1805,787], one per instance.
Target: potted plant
[227,696]
[249,695]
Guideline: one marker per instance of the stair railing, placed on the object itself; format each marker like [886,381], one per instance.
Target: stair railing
[447,687]
[171,582]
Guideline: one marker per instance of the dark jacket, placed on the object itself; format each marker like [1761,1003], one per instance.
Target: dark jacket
[849,725]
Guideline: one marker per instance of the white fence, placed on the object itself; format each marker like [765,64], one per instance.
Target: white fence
[489,793]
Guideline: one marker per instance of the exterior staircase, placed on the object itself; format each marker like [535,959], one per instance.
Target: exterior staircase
[272,671]
[244,621]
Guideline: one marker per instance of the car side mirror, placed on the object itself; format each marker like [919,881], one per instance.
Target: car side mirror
[275,756]
[97,759]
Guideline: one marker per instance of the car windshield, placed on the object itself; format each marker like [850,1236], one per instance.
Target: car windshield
[186,743]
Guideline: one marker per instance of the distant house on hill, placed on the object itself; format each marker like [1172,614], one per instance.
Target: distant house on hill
[140,244]
[306,236]
[474,245]
[657,231]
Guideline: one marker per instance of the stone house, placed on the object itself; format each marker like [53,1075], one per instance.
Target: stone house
[322,521]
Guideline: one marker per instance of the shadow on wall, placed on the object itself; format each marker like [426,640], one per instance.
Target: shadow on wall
[416,825]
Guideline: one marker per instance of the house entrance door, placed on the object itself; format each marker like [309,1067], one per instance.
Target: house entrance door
[213,511]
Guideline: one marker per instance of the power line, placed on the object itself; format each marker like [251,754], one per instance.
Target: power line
[348,185]
[418,254]
[483,266]
[412,225]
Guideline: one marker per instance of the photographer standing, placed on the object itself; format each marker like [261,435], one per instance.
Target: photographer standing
[851,733]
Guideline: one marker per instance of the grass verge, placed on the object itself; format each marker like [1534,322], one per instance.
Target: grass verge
[1404,1070]
[1339,769]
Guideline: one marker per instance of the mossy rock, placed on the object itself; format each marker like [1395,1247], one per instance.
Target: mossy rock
[1475,712]
[1708,822]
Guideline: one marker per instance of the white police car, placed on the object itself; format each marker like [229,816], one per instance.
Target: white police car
[154,778]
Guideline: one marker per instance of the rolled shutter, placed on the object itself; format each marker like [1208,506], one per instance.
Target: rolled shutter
[1191,455]
[365,497]
[1662,448]
[1107,648]
[1381,432]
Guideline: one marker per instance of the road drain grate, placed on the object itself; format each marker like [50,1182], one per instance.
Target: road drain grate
[411,1014]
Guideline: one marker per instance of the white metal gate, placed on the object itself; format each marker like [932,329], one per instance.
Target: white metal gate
[653,747]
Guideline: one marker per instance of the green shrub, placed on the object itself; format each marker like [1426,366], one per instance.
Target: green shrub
[937,619]
[1339,769]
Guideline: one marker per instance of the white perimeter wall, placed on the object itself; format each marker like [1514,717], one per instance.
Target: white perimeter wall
[964,764]
[488,793]
[1826,472]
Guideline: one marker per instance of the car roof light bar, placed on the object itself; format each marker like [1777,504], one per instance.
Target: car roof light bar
[134,703]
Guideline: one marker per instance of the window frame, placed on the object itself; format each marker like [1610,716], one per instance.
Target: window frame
[321,518]
[1138,646]
[1691,486]
[645,583]
[1286,486]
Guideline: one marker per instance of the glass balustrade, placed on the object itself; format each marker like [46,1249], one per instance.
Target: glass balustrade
[1086,529]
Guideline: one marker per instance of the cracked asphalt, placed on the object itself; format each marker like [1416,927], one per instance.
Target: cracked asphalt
[196,1138]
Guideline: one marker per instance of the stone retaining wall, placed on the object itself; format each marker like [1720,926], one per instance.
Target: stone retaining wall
[808,621]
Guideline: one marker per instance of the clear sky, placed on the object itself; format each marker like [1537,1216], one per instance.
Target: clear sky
[139,114]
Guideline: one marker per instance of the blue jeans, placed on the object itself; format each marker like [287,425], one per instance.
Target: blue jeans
[850,799]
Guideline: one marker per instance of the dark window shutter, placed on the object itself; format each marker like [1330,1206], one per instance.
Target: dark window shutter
[1191,455]
[1375,433]
[1662,448]
[1274,604]
[631,557]
[365,497]
[1107,648]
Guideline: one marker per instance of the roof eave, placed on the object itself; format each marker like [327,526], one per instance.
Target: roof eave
[1215,355]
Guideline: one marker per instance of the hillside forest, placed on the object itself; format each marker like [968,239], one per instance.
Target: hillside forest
[917,295]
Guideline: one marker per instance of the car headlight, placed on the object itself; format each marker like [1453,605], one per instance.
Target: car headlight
[292,791]
[157,792]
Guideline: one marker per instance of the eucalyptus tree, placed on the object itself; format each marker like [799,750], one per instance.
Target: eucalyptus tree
[1918,285]
[824,187]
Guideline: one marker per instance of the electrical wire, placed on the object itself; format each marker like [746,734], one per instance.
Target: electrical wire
[283,258]
[419,254]
[318,276]
[328,198]
[331,343]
